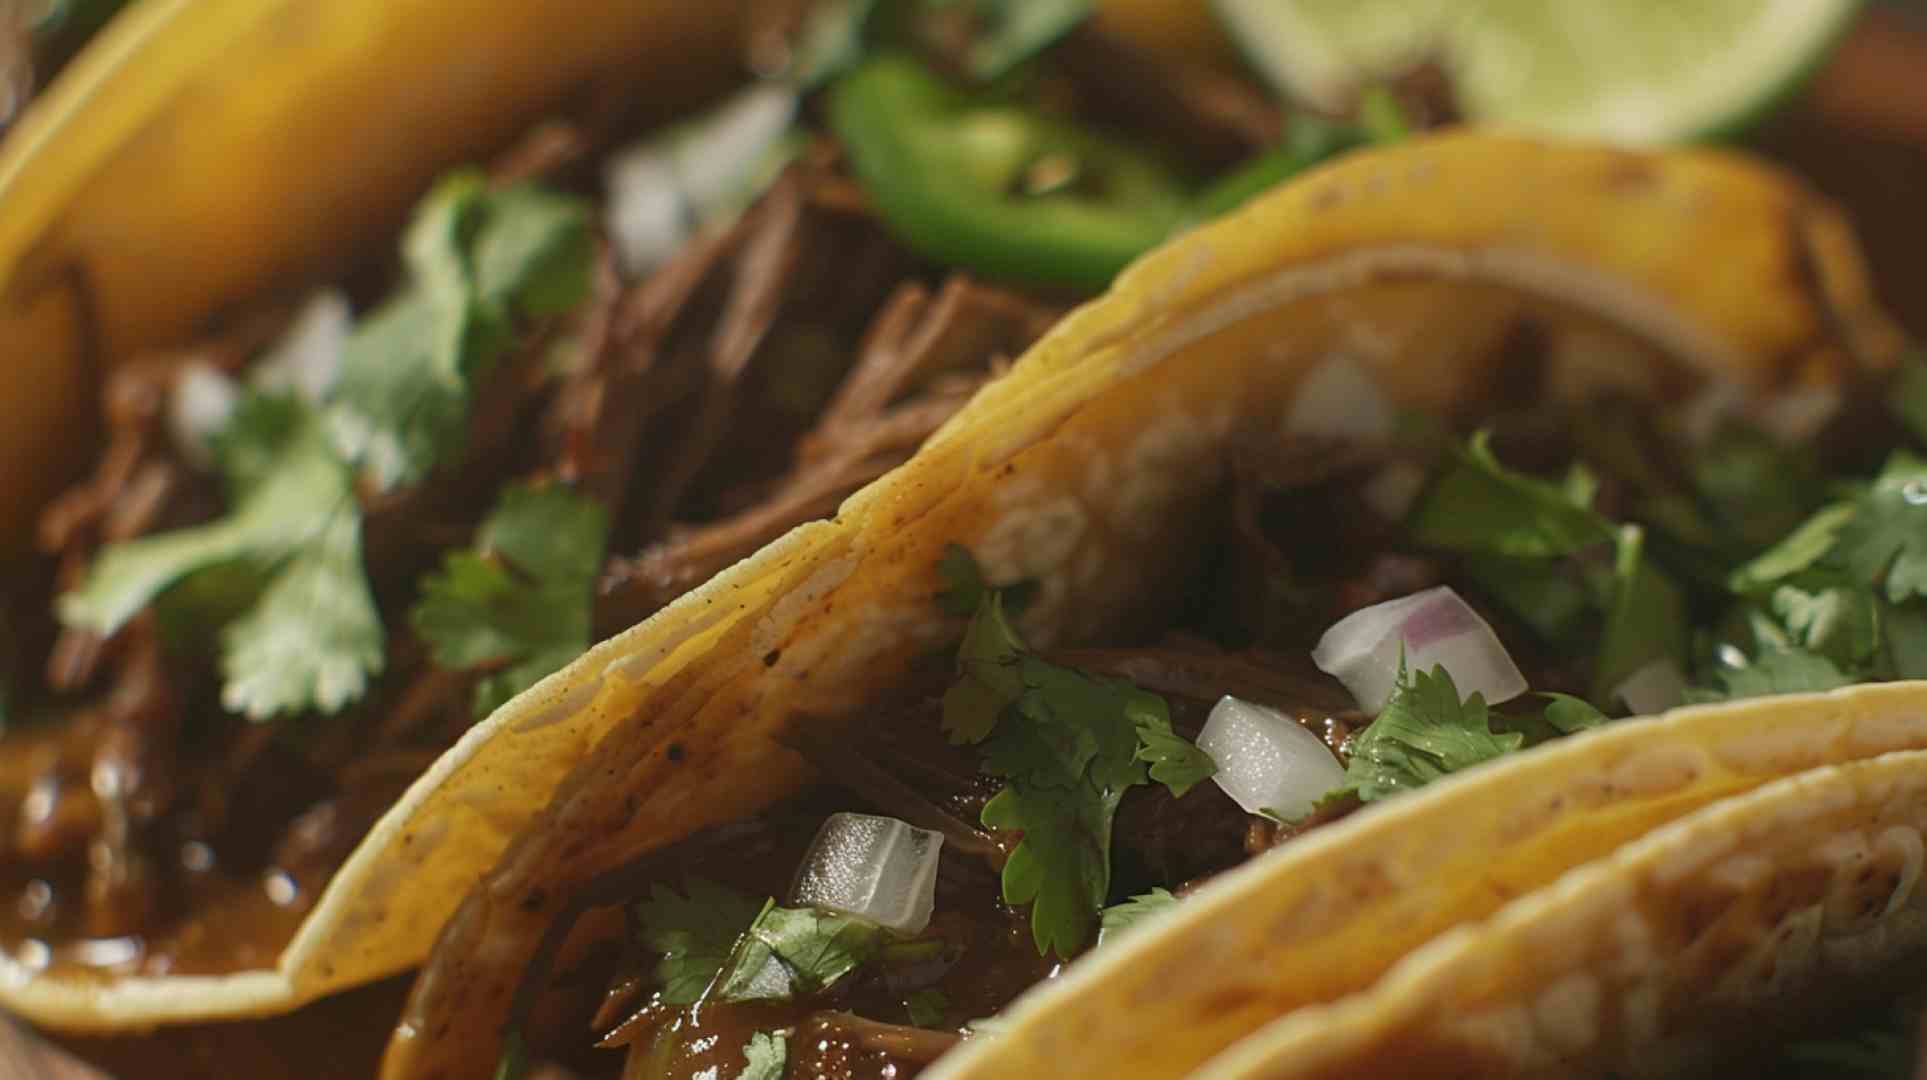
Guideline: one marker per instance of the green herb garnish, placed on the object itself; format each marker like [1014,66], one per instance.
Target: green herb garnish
[521,596]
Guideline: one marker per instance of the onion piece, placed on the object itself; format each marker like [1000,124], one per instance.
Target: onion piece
[1339,400]
[199,407]
[1267,762]
[663,189]
[1434,627]
[307,359]
[1655,687]
[875,868]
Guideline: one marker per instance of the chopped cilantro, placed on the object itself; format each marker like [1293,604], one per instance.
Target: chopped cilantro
[768,1055]
[311,638]
[1646,619]
[695,933]
[1884,543]
[1879,537]
[927,1008]
[1798,550]
[1776,671]
[1068,745]
[521,595]
[1568,714]
[789,952]
[1175,761]
[1907,398]
[478,260]
[965,587]
[1477,506]
[1121,917]
[1828,615]
[1904,637]
[964,584]
[1424,732]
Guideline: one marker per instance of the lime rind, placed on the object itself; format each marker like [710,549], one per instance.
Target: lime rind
[1652,72]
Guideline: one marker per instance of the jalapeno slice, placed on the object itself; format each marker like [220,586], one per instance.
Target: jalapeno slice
[999,188]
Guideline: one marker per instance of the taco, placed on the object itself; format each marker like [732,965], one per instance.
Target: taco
[750,636]
[1201,485]
[357,487]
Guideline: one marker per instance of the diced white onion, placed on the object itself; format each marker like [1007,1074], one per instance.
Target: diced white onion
[1266,760]
[1434,627]
[661,189]
[1392,490]
[1654,688]
[1339,400]
[876,868]
[202,401]
[307,359]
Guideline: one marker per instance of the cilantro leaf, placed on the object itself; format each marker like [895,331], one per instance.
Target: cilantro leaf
[1828,615]
[1569,715]
[1478,506]
[313,638]
[310,637]
[768,1055]
[1068,744]
[818,947]
[522,595]
[478,259]
[964,581]
[1062,868]
[1797,551]
[1885,542]
[789,952]
[1144,907]
[1907,398]
[927,1008]
[1424,732]
[1776,671]
[1175,761]
[1904,637]
[695,934]
[285,489]
[1646,620]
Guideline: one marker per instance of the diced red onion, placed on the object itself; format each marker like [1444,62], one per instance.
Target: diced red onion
[875,868]
[308,357]
[1654,688]
[1266,760]
[1392,490]
[1434,627]
[202,401]
[1339,399]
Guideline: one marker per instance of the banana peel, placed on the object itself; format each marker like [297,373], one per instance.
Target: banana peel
[203,154]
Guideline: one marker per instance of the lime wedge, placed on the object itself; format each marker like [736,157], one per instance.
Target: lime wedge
[1635,71]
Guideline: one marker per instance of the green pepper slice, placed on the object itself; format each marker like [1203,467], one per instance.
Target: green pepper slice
[998,188]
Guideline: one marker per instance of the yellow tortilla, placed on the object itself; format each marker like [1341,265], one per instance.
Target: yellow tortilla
[1088,469]
[1752,913]
[204,154]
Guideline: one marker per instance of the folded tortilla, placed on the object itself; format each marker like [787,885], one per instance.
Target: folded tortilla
[1088,469]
